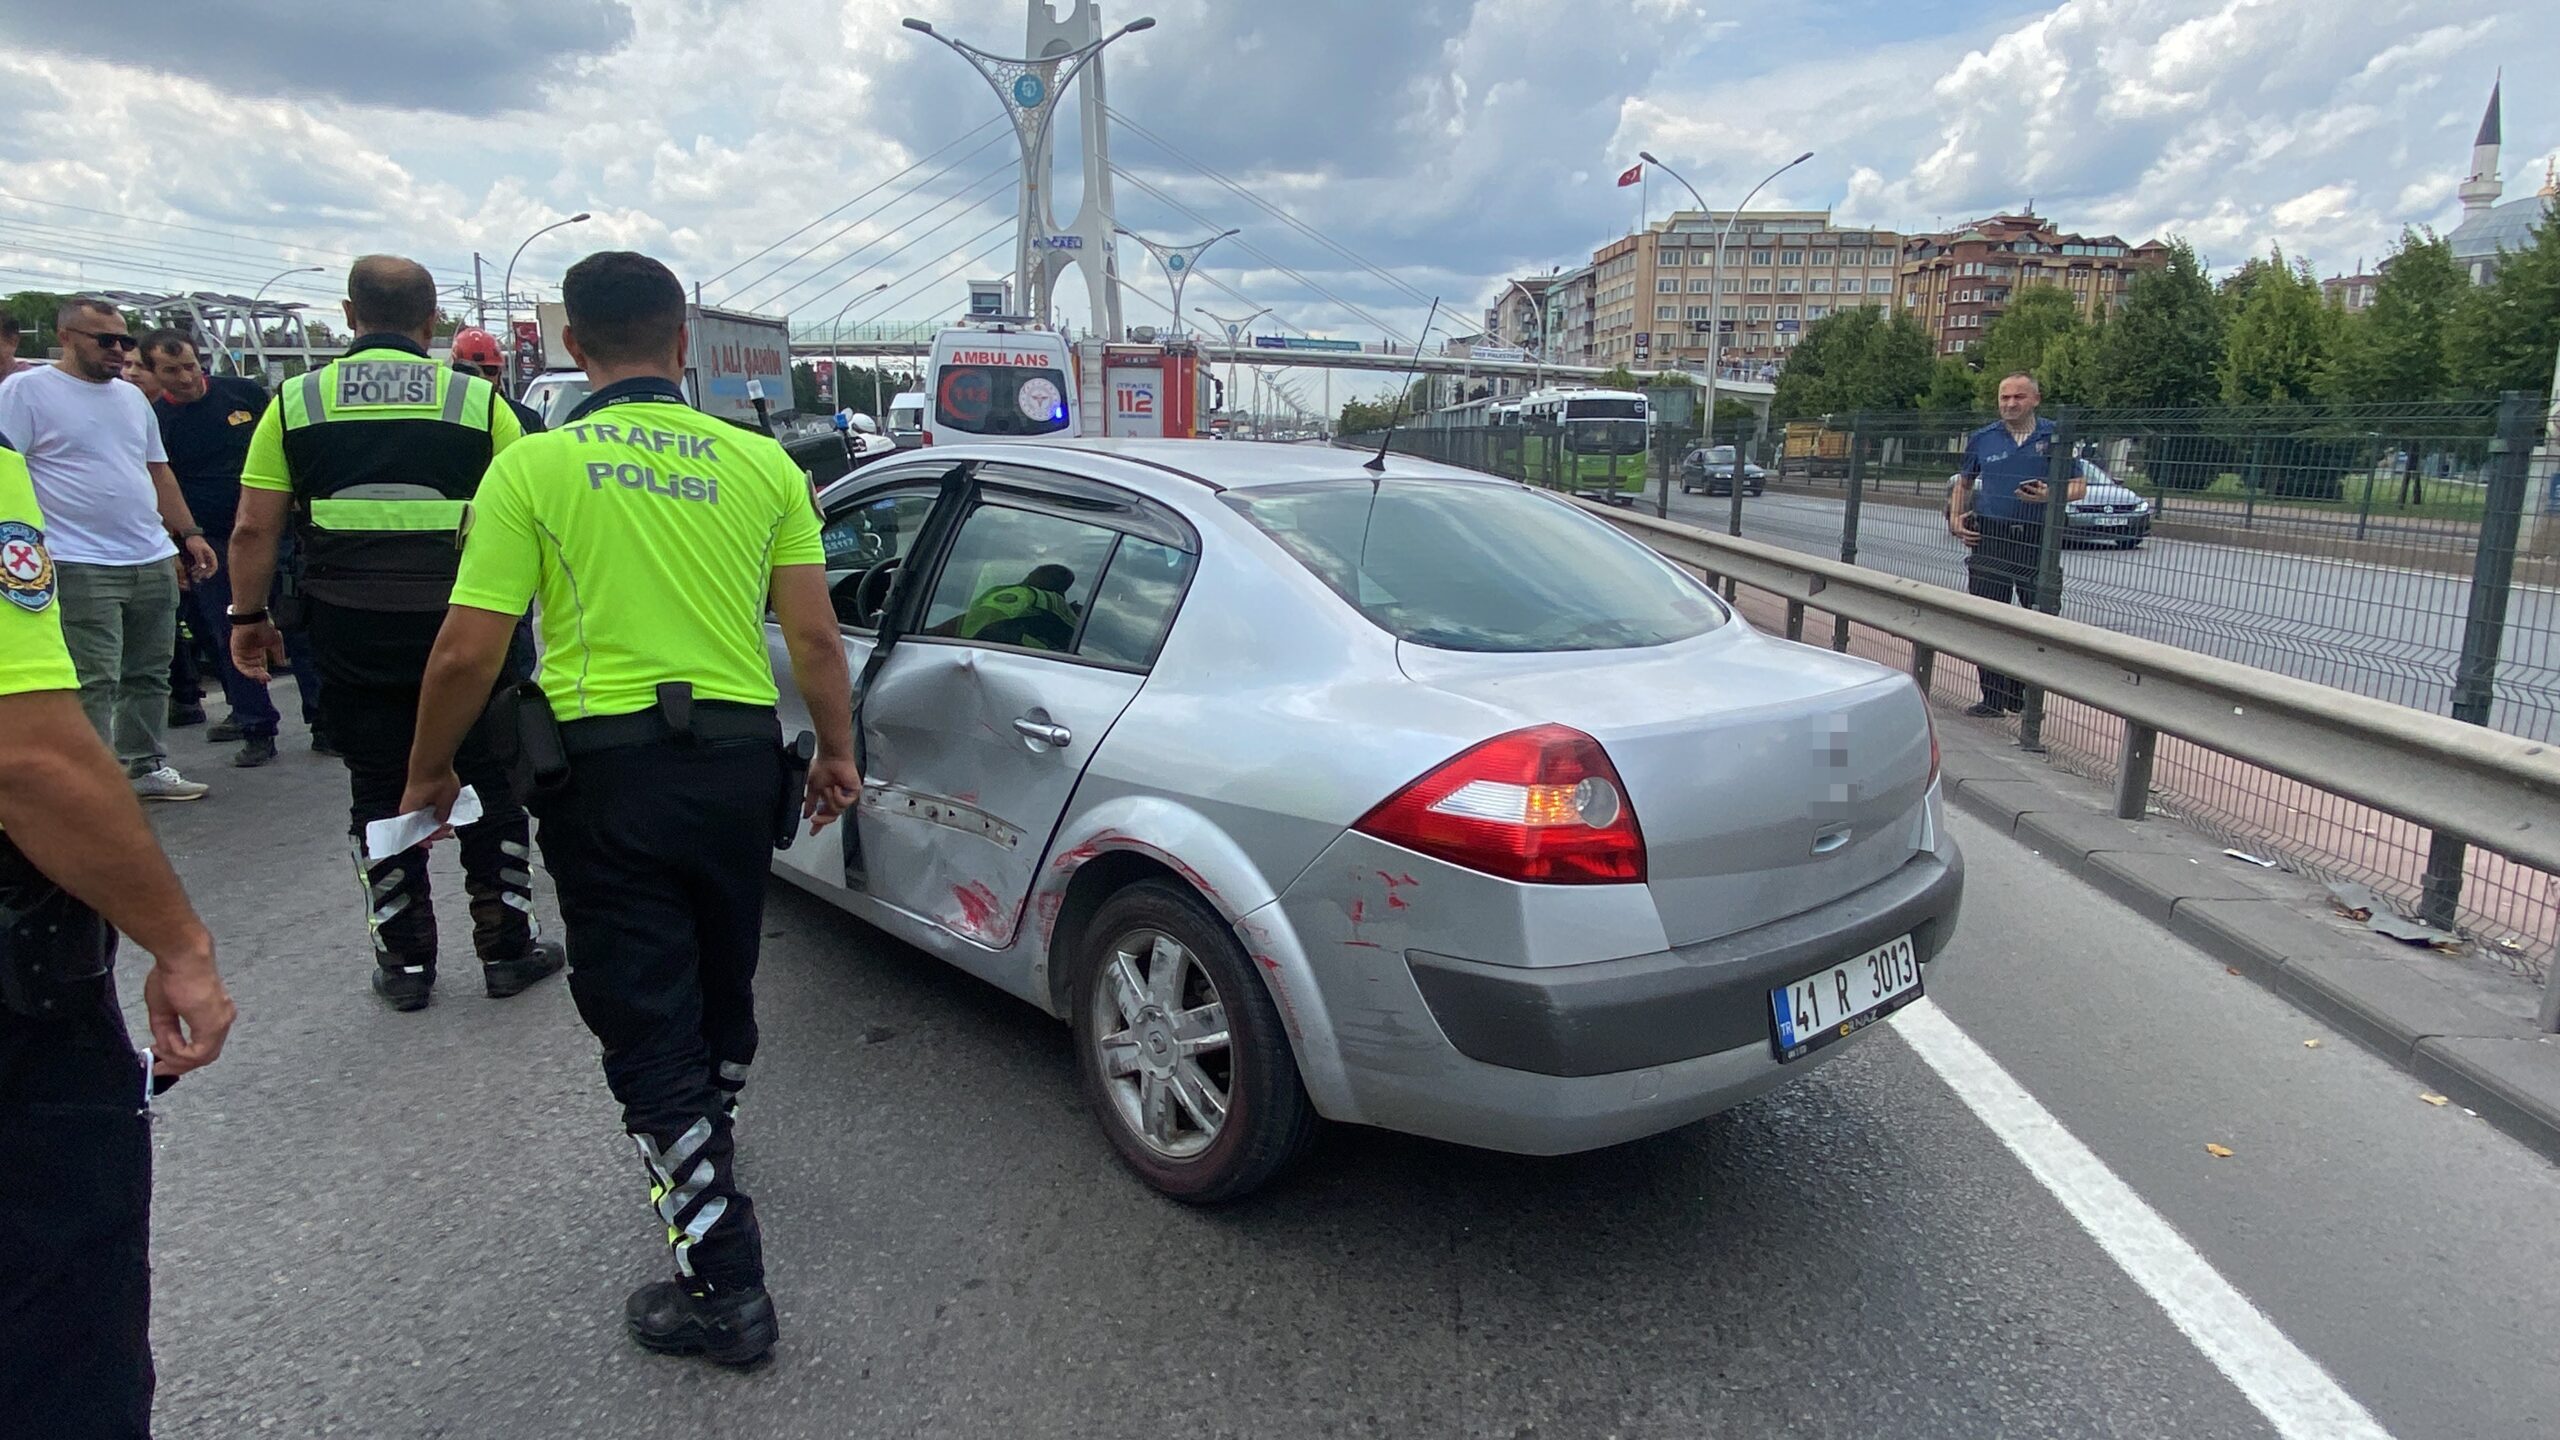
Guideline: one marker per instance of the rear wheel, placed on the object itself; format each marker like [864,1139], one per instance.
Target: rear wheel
[1181,1052]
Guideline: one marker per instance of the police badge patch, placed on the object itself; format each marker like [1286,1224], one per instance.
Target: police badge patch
[26,571]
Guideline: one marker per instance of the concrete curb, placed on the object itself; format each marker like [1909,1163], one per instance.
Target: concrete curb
[2456,1028]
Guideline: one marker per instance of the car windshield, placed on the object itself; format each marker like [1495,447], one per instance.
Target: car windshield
[554,399]
[1721,455]
[1463,565]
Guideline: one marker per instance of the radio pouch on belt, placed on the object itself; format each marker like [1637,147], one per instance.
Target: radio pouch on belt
[675,706]
[541,765]
[48,940]
[796,758]
[287,609]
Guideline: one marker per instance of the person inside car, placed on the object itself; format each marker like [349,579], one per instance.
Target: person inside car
[1034,613]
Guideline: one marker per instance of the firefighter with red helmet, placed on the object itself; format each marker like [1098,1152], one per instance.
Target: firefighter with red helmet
[476,352]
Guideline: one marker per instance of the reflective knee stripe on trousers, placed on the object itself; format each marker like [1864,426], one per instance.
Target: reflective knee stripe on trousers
[732,1074]
[671,1196]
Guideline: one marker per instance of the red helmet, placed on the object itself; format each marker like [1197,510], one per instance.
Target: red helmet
[475,346]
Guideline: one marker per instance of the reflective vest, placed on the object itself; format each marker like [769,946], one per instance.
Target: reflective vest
[386,450]
[1021,615]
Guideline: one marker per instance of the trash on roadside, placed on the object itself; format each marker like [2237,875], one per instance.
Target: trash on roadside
[2218,1152]
[2359,902]
[2512,945]
[2434,1099]
[2310,1044]
[2356,902]
[2260,862]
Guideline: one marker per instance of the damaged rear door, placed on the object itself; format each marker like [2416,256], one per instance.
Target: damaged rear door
[1046,612]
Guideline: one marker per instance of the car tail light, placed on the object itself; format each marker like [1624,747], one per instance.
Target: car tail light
[1542,805]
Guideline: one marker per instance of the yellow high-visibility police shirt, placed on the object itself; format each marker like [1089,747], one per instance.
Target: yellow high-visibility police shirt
[650,532]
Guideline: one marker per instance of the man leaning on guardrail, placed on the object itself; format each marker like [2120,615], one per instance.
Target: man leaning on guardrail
[1996,507]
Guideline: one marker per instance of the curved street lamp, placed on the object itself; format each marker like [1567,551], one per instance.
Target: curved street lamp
[1715,331]
[1235,333]
[1178,262]
[1028,89]
[835,347]
[506,293]
[258,332]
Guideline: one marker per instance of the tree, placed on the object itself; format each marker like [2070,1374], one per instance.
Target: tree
[2038,317]
[2072,372]
[2396,350]
[2232,295]
[2162,349]
[2503,334]
[2278,344]
[1855,359]
[33,310]
[1363,417]
[1951,385]
[1618,377]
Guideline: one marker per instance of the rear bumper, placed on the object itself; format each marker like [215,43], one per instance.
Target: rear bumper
[1675,1005]
[1553,1060]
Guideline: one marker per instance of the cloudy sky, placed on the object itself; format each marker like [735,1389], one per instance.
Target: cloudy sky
[1446,143]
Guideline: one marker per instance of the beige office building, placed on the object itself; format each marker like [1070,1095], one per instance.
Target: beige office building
[1656,293]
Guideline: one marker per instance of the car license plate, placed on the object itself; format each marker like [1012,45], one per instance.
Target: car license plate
[2112,521]
[1834,1004]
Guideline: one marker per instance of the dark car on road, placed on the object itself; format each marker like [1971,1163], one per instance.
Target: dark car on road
[1710,472]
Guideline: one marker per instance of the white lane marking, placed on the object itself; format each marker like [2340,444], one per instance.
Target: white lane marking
[2289,1388]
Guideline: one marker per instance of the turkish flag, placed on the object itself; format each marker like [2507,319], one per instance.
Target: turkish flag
[1633,174]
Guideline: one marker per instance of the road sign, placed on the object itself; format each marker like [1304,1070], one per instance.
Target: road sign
[1302,342]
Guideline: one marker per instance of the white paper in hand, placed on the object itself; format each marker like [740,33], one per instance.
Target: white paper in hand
[386,838]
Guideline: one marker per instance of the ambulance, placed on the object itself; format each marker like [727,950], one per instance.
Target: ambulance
[995,379]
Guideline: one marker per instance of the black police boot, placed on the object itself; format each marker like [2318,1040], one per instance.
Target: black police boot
[405,990]
[183,714]
[509,977]
[734,1327]
[256,750]
[226,730]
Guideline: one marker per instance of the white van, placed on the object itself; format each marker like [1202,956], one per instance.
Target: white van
[998,383]
[906,419]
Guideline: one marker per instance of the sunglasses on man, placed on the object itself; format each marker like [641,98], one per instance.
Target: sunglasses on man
[112,339]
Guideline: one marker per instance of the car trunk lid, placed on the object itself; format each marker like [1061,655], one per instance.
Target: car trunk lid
[1768,779]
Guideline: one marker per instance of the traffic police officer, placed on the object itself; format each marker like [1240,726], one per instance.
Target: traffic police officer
[653,536]
[75,1295]
[376,456]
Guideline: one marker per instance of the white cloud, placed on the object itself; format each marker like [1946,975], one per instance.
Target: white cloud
[1449,141]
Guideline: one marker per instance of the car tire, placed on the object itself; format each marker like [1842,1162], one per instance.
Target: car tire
[1266,1122]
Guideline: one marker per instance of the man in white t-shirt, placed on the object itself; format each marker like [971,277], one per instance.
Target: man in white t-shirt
[111,506]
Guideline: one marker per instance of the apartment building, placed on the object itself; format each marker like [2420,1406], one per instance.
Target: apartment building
[1956,282]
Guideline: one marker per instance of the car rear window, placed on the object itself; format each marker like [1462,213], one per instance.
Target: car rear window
[1000,400]
[1461,565]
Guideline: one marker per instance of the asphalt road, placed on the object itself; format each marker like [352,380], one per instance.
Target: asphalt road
[2394,634]
[423,1225]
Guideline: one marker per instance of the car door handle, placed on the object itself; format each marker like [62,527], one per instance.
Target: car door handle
[1056,737]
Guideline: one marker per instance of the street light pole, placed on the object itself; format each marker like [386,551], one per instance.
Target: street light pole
[507,296]
[1178,262]
[1029,88]
[258,331]
[835,349]
[1235,333]
[1715,283]
[1538,313]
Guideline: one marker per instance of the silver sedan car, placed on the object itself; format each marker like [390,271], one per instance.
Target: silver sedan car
[1419,799]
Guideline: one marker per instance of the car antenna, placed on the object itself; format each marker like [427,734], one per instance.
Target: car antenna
[1378,463]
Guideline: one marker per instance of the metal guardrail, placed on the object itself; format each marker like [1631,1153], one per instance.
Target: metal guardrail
[2498,792]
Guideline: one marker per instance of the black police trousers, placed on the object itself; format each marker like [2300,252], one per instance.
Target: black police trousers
[75,1293]
[658,853]
[2004,566]
[371,664]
